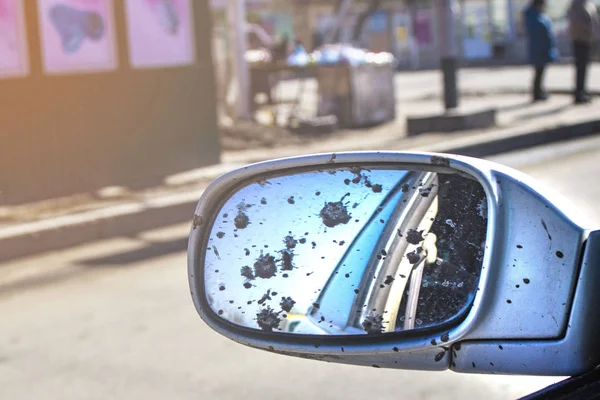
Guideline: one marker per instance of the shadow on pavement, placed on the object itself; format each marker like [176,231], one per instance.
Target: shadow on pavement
[151,250]
[543,113]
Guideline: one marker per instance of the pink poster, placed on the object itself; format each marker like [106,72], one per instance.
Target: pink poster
[160,33]
[13,42]
[77,35]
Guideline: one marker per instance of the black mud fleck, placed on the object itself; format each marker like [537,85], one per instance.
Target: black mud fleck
[265,267]
[437,160]
[287,304]
[302,241]
[414,236]
[287,258]
[334,214]
[413,257]
[373,324]
[247,273]
[246,252]
[405,188]
[265,297]
[267,319]
[526,281]
[559,254]
[546,229]
[221,288]
[426,191]
[197,221]
[247,285]
[444,338]
[433,342]
[290,242]
[220,235]
[377,188]
[241,220]
[316,306]
[439,356]
[291,200]
[263,201]
[388,280]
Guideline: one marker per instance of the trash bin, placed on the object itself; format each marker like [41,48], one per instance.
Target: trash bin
[358,96]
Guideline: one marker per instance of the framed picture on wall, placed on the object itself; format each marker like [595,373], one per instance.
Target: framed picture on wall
[14,59]
[77,36]
[160,33]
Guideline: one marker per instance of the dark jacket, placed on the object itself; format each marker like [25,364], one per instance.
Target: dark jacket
[542,43]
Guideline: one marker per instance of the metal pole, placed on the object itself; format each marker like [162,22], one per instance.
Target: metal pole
[512,26]
[236,13]
[445,11]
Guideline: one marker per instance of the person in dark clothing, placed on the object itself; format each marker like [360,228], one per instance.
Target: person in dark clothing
[542,44]
[583,29]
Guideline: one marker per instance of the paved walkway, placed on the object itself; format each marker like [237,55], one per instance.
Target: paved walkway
[517,117]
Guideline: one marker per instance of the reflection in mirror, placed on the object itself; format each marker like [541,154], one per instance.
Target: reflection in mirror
[347,251]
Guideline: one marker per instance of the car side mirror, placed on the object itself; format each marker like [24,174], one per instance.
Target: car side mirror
[399,260]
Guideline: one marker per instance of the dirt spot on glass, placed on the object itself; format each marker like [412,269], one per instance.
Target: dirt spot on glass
[334,214]
[220,235]
[241,220]
[287,304]
[426,191]
[388,280]
[265,297]
[413,257]
[526,281]
[263,201]
[247,273]
[373,324]
[559,254]
[267,319]
[290,242]
[546,229]
[287,258]
[414,236]
[291,200]
[265,267]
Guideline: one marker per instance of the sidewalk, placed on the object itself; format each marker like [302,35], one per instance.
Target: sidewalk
[60,223]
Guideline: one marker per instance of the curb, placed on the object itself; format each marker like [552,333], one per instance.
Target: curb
[128,219]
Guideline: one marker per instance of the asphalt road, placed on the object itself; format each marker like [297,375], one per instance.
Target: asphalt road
[114,320]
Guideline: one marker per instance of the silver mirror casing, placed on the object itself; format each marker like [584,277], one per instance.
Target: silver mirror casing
[522,319]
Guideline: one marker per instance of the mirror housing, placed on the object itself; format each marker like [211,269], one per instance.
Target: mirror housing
[520,320]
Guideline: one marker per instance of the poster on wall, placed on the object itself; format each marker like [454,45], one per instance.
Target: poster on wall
[160,33]
[13,42]
[423,26]
[77,35]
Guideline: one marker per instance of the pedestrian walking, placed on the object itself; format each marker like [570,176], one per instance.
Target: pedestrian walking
[542,44]
[583,30]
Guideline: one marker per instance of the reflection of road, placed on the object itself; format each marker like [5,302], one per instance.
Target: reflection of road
[117,322]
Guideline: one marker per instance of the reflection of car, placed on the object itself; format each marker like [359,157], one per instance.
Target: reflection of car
[402,260]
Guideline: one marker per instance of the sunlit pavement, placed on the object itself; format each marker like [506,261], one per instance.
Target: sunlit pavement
[115,320]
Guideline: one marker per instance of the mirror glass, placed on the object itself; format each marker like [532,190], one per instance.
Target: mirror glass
[347,251]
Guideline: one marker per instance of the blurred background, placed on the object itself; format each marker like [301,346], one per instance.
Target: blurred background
[116,114]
